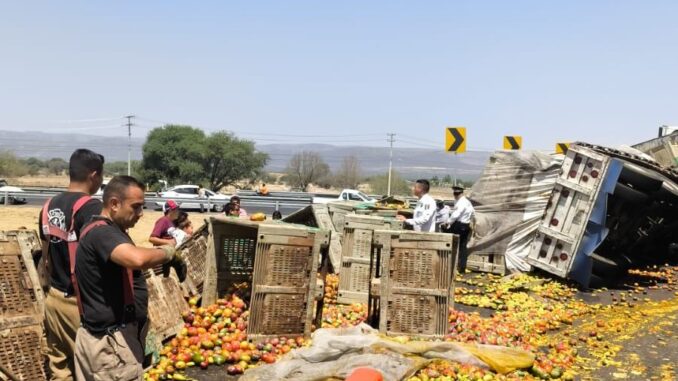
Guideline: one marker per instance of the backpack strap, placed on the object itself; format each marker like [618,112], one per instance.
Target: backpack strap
[71,259]
[127,276]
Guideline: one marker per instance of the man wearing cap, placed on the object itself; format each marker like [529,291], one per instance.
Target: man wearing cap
[160,235]
[424,216]
[459,223]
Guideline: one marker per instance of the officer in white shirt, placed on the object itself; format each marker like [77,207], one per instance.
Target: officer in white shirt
[424,219]
[459,223]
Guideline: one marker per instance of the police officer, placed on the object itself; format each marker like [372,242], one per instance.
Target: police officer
[61,221]
[459,223]
[112,289]
[424,219]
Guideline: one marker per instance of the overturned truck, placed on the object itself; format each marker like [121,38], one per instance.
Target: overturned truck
[609,211]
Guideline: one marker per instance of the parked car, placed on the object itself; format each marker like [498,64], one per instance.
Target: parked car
[14,199]
[191,191]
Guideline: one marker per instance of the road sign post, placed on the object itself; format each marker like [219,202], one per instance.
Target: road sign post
[513,142]
[455,139]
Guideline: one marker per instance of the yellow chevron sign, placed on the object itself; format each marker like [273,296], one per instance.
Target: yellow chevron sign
[455,139]
[561,148]
[513,142]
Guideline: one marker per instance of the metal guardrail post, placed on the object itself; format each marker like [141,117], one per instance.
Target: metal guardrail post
[6,198]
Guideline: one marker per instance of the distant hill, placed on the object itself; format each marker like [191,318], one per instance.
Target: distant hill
[409,162]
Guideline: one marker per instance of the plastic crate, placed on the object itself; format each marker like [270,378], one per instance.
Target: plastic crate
[413,289]
[21,308]
[488,263]
[318,216]
[286,297]
[354,277]
[166,303]
[21,297]
[229,262]
[194,253]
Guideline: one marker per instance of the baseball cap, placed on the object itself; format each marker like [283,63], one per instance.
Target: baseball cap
[170,205]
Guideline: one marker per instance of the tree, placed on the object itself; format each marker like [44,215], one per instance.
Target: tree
[183,154]
[10,166]
[435,181]
[57,166]
[399,186]
[306,167]
[447,180]
[116,168]
[35,165]
[229,159]
[348,175]
[173,153]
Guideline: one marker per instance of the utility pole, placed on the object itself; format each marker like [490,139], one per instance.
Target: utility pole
[129,144]
[390,139]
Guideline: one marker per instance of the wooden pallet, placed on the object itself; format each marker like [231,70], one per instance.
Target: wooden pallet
[487,263]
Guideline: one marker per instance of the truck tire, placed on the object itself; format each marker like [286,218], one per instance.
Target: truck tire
[639,181]
[597,282]
[629,194]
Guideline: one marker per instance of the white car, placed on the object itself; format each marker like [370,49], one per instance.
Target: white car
[346,195]
[191,191]
[12,200]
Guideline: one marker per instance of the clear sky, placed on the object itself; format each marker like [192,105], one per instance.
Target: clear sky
[345,72]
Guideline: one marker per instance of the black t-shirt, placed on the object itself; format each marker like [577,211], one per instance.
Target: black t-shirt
[100,280]
[60,212]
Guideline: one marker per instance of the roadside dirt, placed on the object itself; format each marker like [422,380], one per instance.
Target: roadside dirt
[12,217]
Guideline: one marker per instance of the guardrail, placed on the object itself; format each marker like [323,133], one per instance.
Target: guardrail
[208,202]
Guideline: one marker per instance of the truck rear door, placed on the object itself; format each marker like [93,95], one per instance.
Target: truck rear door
[568,211]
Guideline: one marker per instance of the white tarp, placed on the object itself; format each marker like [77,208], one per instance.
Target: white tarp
[335,353]
[512,194]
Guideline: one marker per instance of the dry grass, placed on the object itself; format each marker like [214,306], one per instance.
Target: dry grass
[51,181]
[13,217]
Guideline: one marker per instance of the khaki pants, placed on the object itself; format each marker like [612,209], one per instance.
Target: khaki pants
[62,320]
[109,357]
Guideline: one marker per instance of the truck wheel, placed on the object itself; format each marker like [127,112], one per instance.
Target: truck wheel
[218,208]
[629,194]
[639,181]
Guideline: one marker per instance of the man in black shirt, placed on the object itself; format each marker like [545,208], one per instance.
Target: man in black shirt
[112,288]
[61,221]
